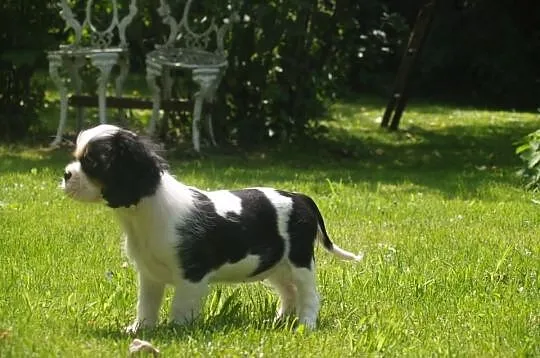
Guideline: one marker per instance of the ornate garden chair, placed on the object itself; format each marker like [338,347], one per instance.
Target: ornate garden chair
[103,48]
[202,53]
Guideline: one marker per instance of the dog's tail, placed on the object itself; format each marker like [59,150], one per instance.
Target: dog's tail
[322,235]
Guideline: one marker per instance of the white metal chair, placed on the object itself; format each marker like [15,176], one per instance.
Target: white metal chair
[186,49]
[95,46]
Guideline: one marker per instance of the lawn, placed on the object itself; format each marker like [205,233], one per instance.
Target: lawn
[452,256]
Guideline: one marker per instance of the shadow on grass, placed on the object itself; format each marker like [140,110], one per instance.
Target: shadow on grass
[224,313]
[453,160]
[434,105]
[17,159]
[205,330]
[200,329]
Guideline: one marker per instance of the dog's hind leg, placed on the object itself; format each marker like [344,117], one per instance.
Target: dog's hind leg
[285,288]
[307,302]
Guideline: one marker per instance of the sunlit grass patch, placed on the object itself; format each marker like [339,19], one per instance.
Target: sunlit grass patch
[450,240]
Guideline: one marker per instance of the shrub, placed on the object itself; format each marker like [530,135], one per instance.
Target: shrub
[485,52]
[292,59]
[529,152]
[20,100]
[24,36]
[288,60]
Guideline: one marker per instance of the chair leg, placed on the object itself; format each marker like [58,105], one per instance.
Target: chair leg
[196,122]
[74,65]
[104,62]
[55,61]
[211,129]
[167,82]
[211,96]
[152,72]
[207,79]
[123,64]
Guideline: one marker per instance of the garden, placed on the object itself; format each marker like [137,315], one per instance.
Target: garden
[445,209]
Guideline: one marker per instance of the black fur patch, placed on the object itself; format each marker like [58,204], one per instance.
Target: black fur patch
[125,165]
[208,240]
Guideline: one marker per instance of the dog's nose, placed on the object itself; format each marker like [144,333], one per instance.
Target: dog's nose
[67,175]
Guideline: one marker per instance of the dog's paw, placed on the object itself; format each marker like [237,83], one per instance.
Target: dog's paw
[182,321]
[306,324]
[137,326]
[132,328]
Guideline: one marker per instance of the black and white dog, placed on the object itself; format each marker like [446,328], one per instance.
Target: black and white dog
[187,237]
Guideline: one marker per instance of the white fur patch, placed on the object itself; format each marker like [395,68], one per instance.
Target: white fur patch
[86,136]
[79,187]
[151,229]
[224,201]
[236,272]
[283,206]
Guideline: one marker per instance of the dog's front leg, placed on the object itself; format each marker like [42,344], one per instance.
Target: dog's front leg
[148,303]
[187,301]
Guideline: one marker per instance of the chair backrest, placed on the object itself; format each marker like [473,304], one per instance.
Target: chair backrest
[98,39]
[182,34]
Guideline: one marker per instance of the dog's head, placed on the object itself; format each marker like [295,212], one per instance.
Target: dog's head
[113,164]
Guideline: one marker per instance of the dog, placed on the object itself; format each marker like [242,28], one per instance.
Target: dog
[186,237]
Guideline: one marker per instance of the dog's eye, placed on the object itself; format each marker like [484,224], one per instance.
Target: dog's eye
[87,160]
[89,163]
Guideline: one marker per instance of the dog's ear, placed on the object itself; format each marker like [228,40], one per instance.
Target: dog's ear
[134,170]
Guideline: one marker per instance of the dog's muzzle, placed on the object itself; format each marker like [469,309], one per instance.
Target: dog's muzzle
[78,186]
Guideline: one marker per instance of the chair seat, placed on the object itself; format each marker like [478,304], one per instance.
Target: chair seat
[187,58]
[67,50]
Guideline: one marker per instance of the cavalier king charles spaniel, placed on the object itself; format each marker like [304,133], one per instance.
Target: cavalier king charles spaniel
[187,237]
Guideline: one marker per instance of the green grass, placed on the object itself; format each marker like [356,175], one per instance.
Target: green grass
[451,242]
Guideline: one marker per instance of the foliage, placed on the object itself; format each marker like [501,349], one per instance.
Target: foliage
[372,46]
[23,38]
[482,52]
[529,152]
[20,101]
[450,239]
[288,60]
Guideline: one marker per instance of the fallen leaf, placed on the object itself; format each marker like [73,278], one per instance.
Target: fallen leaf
[142,346]
[5,333]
